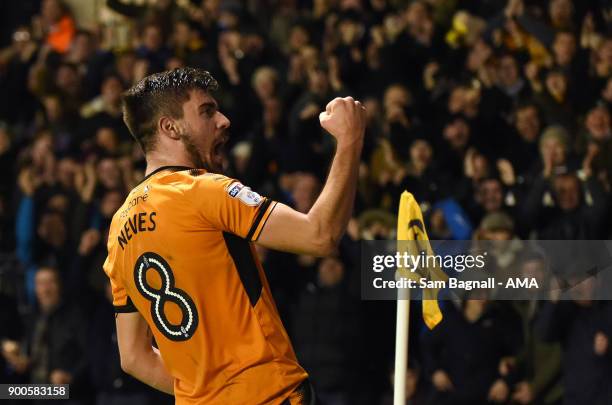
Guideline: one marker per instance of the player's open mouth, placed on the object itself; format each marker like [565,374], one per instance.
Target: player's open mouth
[219,148]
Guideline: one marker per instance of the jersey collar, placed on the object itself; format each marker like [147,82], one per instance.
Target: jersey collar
[159,169]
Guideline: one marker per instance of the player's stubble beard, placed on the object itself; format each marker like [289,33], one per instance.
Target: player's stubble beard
[197,156]
[194,153]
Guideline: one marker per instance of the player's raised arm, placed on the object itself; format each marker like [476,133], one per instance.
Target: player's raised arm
[319,231]
[138,357]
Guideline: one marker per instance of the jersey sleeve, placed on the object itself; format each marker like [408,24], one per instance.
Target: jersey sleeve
[232,207]
[121,300]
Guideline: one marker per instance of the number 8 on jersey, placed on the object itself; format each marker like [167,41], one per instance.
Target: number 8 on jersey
[167,292]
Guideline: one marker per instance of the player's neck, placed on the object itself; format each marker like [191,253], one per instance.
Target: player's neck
[154,162]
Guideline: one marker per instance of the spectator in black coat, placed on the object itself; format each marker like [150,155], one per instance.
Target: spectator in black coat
[521,148]
[584,329]
[462,353]
[153,49]
[325,333]
[535,373]
[567,208]
[415,388]
[55,346]
[309,145]
[10,335]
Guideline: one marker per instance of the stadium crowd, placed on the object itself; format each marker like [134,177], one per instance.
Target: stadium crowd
[495,114]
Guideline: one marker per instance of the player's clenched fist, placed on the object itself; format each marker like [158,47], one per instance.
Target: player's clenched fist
[345,119]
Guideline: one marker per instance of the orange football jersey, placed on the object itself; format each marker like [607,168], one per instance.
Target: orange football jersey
[180,253]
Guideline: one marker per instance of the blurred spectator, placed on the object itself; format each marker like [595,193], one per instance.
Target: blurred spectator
[325,333]
[534,373]
[153,49]
[522,147]
[415,389]
[54,349]
[583,329]
[462,353]
[10,337]
[57,25]
[567,209]
[449,221]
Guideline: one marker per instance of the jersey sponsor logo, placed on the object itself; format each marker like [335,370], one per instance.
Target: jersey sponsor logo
[234,189]
[134,202]
[244,194]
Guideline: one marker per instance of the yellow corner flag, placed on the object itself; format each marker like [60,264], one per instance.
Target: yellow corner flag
[410,227]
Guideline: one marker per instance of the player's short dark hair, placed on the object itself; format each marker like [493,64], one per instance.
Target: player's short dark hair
[161,94]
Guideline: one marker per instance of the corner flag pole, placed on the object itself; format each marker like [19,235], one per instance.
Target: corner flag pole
[410,227]
[402,320]
[401,346]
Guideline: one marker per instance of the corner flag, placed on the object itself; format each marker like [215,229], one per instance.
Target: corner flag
[410,227]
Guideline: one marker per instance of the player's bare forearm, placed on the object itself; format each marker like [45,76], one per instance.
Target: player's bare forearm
[151,370]
[344,119]
[332,210]
[138,358]
[317,233]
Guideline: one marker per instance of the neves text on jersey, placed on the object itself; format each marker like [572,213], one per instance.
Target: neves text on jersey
[140,222]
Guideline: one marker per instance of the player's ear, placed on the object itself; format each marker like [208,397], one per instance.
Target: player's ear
[168,127]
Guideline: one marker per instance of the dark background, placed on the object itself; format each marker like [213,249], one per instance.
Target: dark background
[495,114]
